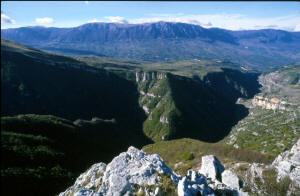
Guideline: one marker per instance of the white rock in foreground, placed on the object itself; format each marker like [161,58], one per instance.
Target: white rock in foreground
[135,172]
[193,184]
[122,175]
[211,167]
[287,164]
[230,179]
[93,177]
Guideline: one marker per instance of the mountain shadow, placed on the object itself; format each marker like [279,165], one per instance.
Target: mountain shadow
[203,109]
[233,84]
[204,114]
[37,82]
[42,154]
[43,83]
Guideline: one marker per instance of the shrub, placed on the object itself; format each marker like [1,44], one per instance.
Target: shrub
[168,187]
[188,156]
[271,185]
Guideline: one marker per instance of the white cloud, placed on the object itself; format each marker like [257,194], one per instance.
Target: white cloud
[45,20]
[116,19]
[7,19]
[297,27]
[170,19]
[228,21]
[94,20]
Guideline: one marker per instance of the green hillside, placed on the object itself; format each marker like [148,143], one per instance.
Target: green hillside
[184,154]
[196,104]
[41,149]
[43,83]
[271,130]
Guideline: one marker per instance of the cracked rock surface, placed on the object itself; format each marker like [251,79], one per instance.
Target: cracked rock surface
[135,172]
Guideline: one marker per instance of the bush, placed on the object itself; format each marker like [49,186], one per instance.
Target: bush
[271,185]
[188,156]
[168,187]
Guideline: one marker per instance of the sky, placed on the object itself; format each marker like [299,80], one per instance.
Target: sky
[243,15]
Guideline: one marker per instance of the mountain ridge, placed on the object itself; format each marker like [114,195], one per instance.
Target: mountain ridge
[127,31]
[161,41]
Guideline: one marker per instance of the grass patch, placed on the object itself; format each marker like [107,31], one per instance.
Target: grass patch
[188,156]
[273,187]
[187,153]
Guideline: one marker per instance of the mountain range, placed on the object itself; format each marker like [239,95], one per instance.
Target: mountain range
[257,49]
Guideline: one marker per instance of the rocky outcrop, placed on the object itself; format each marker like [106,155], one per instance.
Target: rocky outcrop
[230,179]
[148,76]
[188,186]
[269,103]
[146,109]
[126,174]
[93,177]
[135,172]
[287,164]
[285,169]
[163,119]
[211,167]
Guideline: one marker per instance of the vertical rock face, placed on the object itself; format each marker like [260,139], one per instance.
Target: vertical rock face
[163,119]
[211,167]
[148,76]
[155,99]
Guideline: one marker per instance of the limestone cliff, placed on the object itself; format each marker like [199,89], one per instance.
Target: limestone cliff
[269,103]
[155,99]
[143,76]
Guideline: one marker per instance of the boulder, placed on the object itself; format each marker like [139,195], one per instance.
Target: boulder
[186,187]
[211,167]
[230,179]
